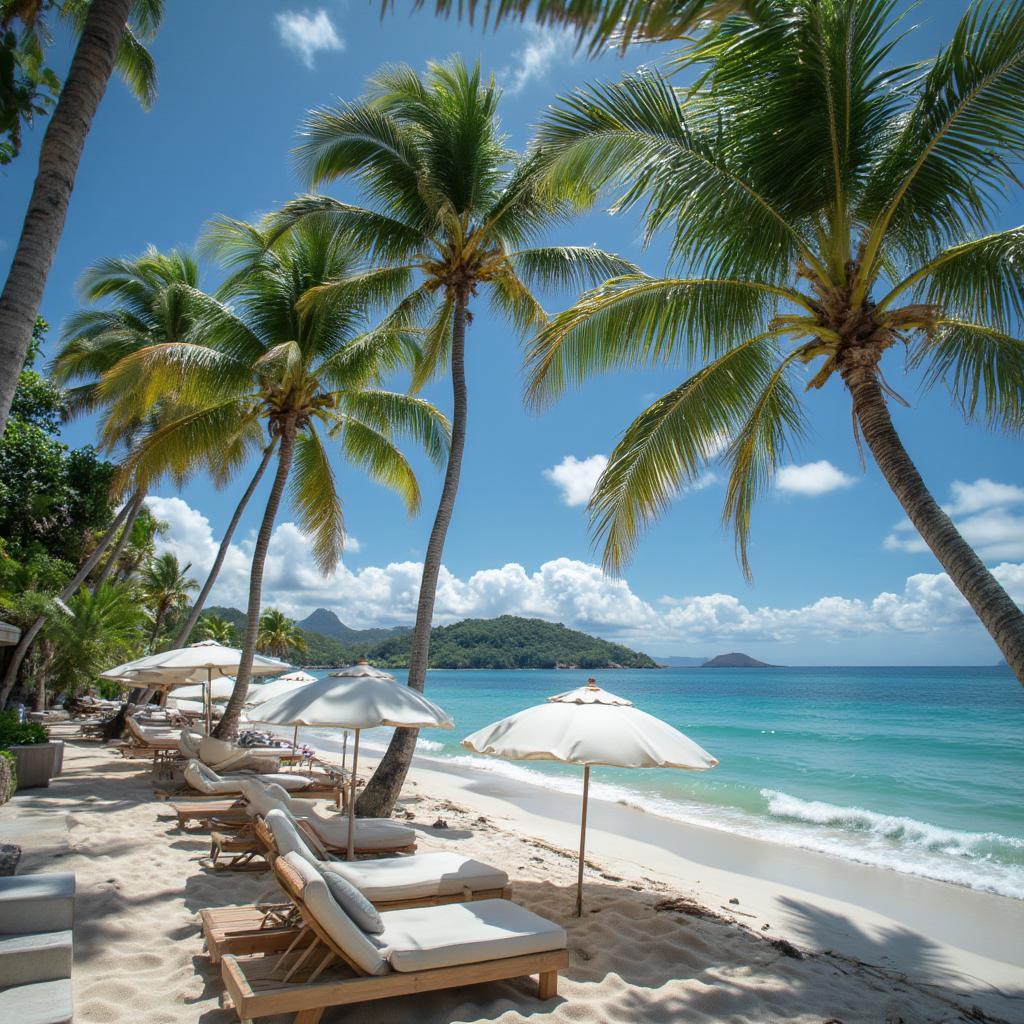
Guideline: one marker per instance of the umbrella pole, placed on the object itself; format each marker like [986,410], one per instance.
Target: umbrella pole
[208,710]
[344,747]
[583,840]
[352,802]
[295,746]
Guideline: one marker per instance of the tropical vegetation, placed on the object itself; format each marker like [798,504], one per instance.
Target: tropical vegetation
[278,635]
[828,211]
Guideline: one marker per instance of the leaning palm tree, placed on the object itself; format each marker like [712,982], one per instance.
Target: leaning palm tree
[826,210]
[106,40]
[165,586]
[261,364]
[449,211]
[279,635]
[147,303]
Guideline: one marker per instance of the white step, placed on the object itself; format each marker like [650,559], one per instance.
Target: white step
[40,956]
[48,1002]
[43,902]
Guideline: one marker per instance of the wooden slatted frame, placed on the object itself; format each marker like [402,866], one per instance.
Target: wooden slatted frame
[308,999]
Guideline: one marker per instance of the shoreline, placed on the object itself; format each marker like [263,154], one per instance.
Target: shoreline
[963,938]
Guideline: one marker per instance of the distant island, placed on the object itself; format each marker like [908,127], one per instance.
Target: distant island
[505,642]
[736,660]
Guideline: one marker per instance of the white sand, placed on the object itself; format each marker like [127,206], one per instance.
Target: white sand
[139,955]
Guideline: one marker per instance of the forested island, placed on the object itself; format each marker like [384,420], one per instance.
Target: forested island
[506,642]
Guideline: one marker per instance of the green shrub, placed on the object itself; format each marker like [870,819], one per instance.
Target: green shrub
[14,733]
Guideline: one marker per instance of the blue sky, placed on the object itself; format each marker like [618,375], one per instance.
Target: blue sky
[835,580]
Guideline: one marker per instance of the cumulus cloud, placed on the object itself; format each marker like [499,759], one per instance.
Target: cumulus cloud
[307,34]
[545,46]
[983,512]
[564,590]
[577,478]
[812,479]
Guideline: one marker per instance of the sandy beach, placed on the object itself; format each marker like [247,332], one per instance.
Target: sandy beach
[681,923]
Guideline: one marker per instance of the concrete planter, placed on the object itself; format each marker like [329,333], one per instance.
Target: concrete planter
[58,757]
[35,762]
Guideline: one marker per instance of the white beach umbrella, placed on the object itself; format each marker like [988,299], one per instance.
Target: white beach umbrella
[218,689]
[589,726]
[183,665]
[362,668]
[357,703]
[263,692]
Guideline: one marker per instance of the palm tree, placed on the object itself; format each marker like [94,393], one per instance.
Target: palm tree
[604,22]
[279,635]
[106,41]
[165,586]
[824,209]
[450,210]
[213,627]
[263,362]
[149,299]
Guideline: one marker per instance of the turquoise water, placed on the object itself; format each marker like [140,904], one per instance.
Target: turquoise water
[919,770]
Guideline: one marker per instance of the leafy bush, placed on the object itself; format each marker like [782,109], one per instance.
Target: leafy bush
[14,733]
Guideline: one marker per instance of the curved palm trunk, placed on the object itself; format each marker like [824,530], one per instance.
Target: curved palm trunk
[995,608]
[29,635]
[229,723]
[381,792]
[65,136]
[135,507]
[197,609]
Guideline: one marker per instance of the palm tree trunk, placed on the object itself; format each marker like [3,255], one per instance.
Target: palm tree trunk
[995,608]
[381,792]
[193,616]
[19,652]
[61,152]
[229,723]
[122,542]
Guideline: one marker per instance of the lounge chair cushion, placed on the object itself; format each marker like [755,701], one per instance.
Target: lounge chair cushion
[261,801]
[334,921]
[424,938]
[287,836]
[203,779]
[371,833]
[188,743]
[351,900]
[420,876]
[215,751]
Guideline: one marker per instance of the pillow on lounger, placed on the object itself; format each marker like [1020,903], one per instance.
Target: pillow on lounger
[287,836]
[352,901]
[215,751]
[342,930]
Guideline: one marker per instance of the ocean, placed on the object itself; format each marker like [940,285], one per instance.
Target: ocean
[917,770]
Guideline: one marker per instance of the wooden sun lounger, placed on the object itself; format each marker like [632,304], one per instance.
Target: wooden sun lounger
[307,972]
[227,808]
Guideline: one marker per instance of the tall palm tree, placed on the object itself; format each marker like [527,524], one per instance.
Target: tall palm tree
[262,362]
[826,210]
[106,41]
[148,303]
[165,586]
[449,210]
[279,635]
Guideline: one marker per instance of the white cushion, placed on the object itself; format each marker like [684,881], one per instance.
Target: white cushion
[287,836]
[420,876]
[202,779]
[423,938]
[351,900]
[334,921]
[370,833]
[214,751]
[188,743]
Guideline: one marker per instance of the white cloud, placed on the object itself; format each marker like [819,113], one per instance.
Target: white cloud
[812,479]
[577,478]
[982,513]
[307,34]
[544,47]
[562,590]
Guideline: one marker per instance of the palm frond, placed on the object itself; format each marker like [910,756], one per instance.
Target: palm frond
[400,415]
[315,500]
[377,455]
[569,266]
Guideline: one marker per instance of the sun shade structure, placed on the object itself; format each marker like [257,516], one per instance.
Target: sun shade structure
[263,692]
[217,689]
[589,726]
[169,669]
[362,668]
[356,703]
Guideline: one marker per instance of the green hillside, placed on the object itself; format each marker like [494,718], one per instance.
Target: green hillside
[509,642]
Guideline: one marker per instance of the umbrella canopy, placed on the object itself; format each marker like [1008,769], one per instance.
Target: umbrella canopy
[219,689]
[589,726]
[357,703]
[263,692]
[298,676]
[184,665]
[362,668]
